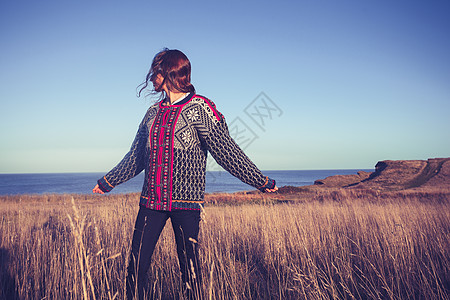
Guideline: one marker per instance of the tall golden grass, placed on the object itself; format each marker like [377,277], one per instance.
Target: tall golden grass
[341,245]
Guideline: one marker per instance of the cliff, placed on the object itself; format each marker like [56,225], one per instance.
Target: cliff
[391,175]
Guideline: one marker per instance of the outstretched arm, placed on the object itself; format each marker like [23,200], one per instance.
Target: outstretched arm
[132,163]
[227,153]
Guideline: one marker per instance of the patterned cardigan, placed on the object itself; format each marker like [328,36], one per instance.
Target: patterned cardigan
[171,145]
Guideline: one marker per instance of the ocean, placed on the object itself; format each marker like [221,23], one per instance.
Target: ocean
[82,183]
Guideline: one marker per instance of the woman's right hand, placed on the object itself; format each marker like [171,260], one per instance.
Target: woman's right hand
[97,190]
[272,190]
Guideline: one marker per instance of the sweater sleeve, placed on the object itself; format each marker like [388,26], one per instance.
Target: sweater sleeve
[229,155]
[132,163]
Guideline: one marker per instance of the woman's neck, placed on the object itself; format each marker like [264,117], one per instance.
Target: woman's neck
[173,97]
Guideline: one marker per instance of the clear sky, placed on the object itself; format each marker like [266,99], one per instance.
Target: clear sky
[354,82]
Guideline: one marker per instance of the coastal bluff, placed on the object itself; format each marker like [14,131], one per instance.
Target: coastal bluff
[392,175]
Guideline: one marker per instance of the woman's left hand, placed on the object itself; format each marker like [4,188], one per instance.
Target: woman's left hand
[97,190]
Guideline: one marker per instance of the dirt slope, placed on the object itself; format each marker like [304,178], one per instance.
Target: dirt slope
[396,175]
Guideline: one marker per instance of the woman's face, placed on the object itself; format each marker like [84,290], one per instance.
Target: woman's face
[157,82]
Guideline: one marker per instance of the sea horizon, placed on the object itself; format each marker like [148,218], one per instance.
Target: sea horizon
[262,170]
[83,182]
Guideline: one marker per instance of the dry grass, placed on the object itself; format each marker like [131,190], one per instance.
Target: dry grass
[341,245]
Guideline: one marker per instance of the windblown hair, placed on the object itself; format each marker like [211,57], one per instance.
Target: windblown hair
[174,67]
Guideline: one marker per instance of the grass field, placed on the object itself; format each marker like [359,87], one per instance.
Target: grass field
[331,245]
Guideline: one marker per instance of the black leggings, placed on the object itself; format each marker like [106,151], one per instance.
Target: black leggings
[149,224]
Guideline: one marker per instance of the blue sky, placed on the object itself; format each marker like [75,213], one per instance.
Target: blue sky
[354,82]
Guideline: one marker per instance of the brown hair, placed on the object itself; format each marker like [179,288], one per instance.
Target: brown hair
[174,67]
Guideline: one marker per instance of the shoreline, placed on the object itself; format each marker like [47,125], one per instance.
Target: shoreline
[428,180]
[286,194]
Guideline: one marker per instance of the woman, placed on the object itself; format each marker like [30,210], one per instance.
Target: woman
[171,146]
